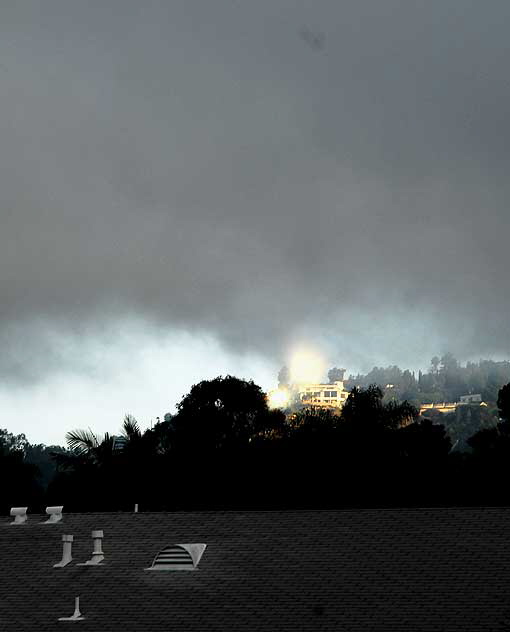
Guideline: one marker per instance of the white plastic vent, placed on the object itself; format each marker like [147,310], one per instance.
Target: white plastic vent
[77,615]
[178,557]
[54,513]
[19,514]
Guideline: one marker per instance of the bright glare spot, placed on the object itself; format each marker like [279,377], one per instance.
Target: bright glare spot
[307,366]
[278,399]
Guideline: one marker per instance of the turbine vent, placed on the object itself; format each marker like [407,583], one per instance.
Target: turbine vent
[19,514]
[178,557]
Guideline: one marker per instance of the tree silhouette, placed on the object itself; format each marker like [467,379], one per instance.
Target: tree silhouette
[86,447]
[335,375]
[224,412]
[424,440]
[86,443]
[494,443]
[98,472]
[312,424]
[283,376]
[19,478]
[449,363]
[491,443]
[364,408]
[504,402]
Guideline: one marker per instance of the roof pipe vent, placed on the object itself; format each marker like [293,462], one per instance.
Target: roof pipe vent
[97,552]
[19,514]
[178,557]
[54,513]
[77,615]
[66,553]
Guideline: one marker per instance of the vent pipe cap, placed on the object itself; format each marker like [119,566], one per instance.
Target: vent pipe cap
[77,615]
[19,514]
[67,557]
[54,513]
[97,552]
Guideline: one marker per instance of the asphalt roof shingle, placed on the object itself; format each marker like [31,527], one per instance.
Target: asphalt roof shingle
[354,570]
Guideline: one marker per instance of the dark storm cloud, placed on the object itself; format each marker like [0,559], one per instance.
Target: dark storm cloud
[200,165]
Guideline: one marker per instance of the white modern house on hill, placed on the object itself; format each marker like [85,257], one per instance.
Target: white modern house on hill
[322,395]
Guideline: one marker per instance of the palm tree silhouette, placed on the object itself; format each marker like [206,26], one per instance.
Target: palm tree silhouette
[99,450]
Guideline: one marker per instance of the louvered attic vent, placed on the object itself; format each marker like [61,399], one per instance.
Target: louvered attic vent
[178,557]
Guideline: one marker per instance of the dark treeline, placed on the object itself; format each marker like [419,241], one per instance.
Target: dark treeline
[225,449]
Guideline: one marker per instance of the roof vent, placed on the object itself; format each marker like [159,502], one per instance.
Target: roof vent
[97,552]
[77,615]
[19,514]
[66,553]
[54,513]
[178,557]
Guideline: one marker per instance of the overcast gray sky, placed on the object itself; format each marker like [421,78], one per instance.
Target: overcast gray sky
[192,187]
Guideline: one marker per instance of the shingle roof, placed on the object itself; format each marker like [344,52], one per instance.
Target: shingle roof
[351,570]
